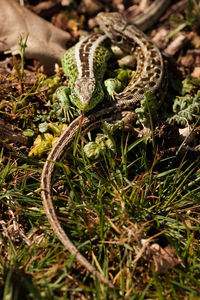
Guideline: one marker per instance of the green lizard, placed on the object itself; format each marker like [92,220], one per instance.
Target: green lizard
[85,65]
[149,76]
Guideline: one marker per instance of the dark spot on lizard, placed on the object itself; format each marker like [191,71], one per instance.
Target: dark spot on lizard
[138,85]
[157,70]
[157,62]
[134,91]
[148,68]
[152,83]
[150,75]
[145,79]
[141,92]
[129,98]
[153,53]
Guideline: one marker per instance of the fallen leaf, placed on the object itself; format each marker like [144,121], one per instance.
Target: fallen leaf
[187,60]
[196,72]
[144,4]
[176,44]
[44,9]
[46,43]
[164,258]
[65,2]
[11,133]
[185,132]
[90,7]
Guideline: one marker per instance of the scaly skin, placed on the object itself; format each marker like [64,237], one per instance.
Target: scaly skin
[85,65]
[149,75]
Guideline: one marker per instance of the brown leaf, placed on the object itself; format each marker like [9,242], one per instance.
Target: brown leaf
[176,44]
[45,9]
[65,2]
[164,258]
[187,60]
[90,7]
[46,43]
[144,4]
[196,72]
[12,134]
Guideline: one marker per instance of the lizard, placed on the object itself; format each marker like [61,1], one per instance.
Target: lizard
[85,64]
[149,75]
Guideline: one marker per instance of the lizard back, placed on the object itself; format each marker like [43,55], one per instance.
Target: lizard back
[85,65]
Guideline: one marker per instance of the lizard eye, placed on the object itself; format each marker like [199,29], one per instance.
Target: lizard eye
[118,38]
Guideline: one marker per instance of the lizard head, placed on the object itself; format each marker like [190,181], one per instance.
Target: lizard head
[113,25]
[87,93]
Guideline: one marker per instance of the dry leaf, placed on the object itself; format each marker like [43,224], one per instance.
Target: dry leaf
[188,60]
[45,8]
[144,4]
[176,44]
[46,43]
[185,132]
[154,11]
[196,72]
[164,258]
[65,2]
[90,7]
[12,134]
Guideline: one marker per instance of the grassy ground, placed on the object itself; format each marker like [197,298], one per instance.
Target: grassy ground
[130,204]
[109,207]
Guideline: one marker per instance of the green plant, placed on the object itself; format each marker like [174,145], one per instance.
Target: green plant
[192,18]
[22,46]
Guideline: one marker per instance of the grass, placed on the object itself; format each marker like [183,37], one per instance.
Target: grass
[108,206]
[114,206]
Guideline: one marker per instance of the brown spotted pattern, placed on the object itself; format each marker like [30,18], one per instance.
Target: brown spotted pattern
[149,76]
[149,73]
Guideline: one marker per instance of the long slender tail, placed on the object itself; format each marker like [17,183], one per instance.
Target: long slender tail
[56,154]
